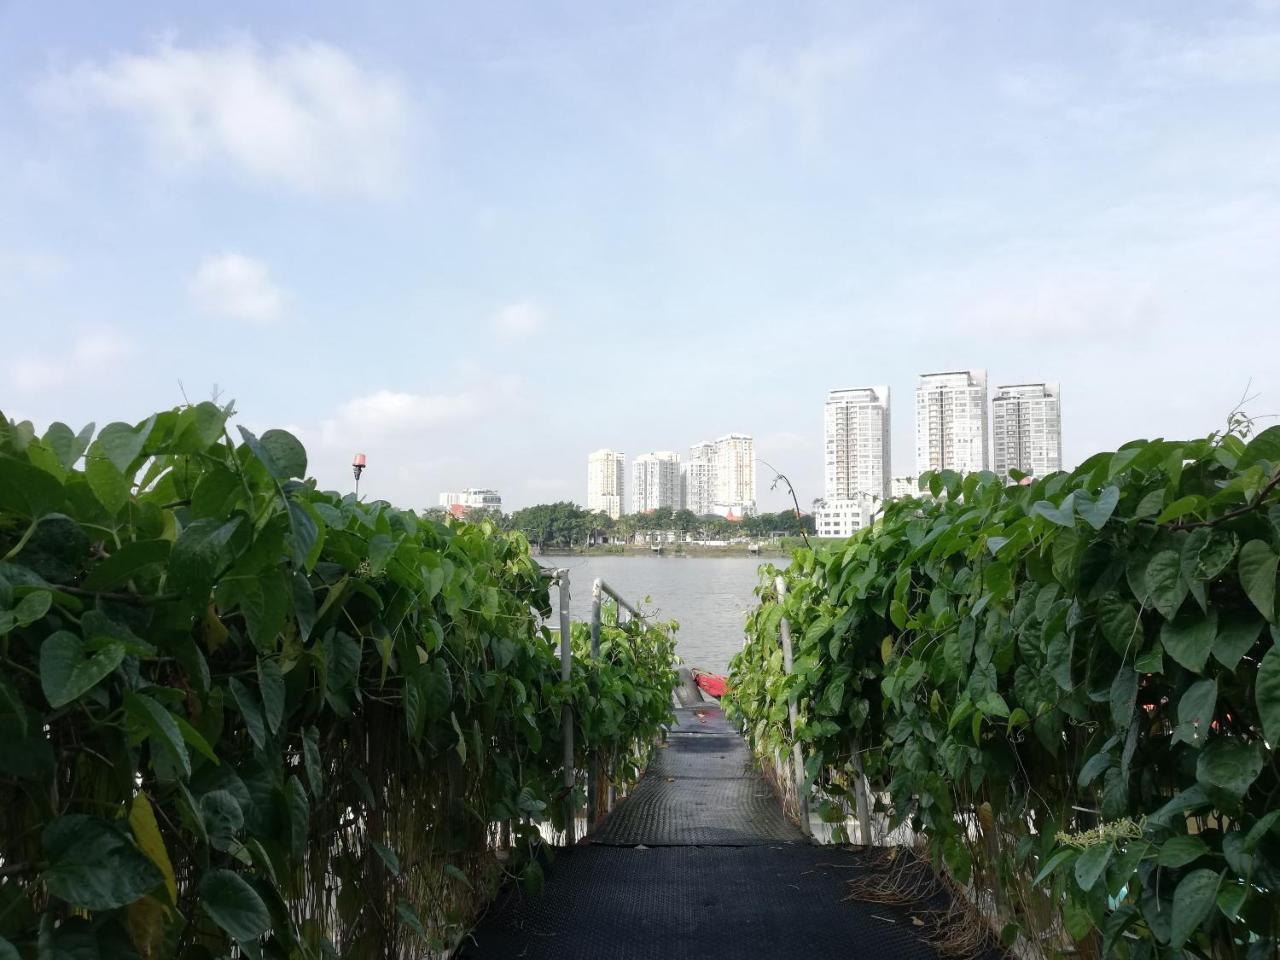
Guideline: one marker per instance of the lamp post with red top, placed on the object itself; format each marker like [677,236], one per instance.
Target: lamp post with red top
[357,468]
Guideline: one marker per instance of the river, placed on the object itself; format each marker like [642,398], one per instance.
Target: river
[709,596]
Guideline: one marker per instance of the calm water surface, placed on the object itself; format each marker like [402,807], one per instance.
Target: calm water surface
[709,596]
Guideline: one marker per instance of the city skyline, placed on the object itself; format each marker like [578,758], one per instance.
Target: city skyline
[521,231]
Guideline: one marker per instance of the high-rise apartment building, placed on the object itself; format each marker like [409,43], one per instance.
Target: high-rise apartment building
[856,427]
[655,481]
[697,478]
[856,460]
[951,421]
[605,482]
[1026,429]
[721,476]
[735,475]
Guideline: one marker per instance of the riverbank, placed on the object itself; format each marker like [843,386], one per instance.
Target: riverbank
[767,550]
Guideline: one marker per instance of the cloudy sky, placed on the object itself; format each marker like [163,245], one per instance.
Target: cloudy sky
[477,241]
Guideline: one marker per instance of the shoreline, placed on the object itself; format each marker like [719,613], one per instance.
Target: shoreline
[672,551]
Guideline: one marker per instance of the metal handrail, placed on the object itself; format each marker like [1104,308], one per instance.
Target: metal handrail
[797,759]
[599,589]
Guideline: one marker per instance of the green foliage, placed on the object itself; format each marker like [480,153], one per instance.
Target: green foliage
[238,712]
[1070,688]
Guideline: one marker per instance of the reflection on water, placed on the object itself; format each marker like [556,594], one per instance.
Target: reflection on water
[709,596]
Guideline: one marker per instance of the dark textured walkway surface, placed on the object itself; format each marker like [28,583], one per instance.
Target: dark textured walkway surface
[698,862]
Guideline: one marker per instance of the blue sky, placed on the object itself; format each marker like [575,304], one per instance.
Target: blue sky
[478,241]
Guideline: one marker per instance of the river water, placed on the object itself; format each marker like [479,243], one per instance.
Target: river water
[709,596]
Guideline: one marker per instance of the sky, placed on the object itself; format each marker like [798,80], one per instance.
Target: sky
[478,241]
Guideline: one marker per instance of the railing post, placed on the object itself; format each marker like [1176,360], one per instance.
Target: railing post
[860,796]
[593,765]
[797,758]
[566,712]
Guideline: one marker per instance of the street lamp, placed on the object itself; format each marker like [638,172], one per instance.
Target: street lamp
[357,468]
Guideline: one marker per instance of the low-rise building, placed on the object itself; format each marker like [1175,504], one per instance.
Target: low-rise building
[472,498]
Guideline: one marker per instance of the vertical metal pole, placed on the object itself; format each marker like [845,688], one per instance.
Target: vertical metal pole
[797,759]
[593,765]
[860,796]
[566,713]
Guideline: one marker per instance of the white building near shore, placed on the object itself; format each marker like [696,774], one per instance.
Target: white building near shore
[472,498]
[655,481]
[605,487]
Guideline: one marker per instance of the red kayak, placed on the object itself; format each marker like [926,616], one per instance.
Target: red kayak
[713,684]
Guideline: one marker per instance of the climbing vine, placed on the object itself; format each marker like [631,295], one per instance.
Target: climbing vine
[239,710]
[1070,688]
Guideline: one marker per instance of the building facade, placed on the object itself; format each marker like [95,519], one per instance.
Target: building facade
[734,476]
[951,421]
[842,517]
[903,487]
[605,487]
[697,478]
[856,431]
[1026,429]
[473,498]
[655,481]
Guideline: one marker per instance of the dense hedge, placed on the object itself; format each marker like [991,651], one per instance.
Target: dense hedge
[235,709]
[1070,688]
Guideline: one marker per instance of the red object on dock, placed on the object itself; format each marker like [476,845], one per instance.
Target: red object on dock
[711,683]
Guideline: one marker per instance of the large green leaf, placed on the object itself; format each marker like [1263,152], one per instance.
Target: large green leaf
[1264,447]
[287,454]
[1192,902]
[234,905]
[1180,851]
[223,818]
[1257,567]
[198,554]
[94,865]
[66,673]
[250,710]
[1091,865]
[1229,766]
[1195,712]
[1266,693]
[1189,637]
[109,485]
[130,560]
[28,491]
[67,445]
[271,686]
[1096,513]
[1165,584]
[166,737]
[1238,631]
[121,443]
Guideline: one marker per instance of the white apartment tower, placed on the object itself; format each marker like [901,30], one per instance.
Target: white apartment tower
[735,475]
[951,421]
[655,481]
[697,478]
[856,427]
[721,476]
[1026,429]
[604,482]
[856,461]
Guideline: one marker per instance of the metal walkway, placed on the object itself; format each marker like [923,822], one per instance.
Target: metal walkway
[698,862]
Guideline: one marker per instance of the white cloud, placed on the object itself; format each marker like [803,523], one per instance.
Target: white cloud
[799,83]
[1228,52]
[516,321]
[89,355]
[20,266]
[305,116]
[239,287]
